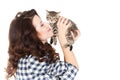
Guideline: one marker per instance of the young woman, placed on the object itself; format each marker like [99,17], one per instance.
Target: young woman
[31,57]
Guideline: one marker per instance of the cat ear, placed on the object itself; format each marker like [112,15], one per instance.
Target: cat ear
[47,11]
[58,12]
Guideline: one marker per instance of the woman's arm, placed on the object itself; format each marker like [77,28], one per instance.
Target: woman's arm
[69,56]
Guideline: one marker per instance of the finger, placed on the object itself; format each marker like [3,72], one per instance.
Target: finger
[72,35]
[78,35]
[62,20]
[59,20]
[66,21]
[69,23]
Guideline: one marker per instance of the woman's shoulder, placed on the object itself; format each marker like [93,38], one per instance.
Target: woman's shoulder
[58,68]
[31,60]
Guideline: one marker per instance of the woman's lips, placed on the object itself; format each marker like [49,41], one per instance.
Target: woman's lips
[49,29]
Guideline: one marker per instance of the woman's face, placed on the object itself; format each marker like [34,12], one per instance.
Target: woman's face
[44,31]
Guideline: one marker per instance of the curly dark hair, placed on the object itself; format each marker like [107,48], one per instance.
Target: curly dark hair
[23,40]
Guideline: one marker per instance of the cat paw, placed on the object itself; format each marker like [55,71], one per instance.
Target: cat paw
[71,47]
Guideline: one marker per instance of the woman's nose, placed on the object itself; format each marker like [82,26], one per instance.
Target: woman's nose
[47,24]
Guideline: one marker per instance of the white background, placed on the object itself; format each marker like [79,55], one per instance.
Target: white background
[98,48]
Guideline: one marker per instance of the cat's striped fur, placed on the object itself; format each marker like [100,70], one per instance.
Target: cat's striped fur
[52,17]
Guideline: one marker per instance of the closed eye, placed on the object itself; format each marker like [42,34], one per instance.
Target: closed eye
[42,25]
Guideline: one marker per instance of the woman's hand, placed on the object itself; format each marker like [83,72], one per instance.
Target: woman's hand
[78,35]
[63,24]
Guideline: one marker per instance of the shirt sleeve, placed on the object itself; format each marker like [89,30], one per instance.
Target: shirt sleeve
[63,70]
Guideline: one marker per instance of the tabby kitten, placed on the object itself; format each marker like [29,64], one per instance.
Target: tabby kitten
[52,17]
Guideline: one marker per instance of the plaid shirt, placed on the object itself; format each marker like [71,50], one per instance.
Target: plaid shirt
[29,68]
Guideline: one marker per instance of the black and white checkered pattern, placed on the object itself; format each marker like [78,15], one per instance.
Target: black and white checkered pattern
[29,68]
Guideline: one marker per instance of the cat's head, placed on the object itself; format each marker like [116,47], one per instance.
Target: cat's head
[52,16]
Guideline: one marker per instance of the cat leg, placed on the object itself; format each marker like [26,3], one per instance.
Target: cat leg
[70,40]
[68,45]
[55,40]
[51,40]
[71,47]
[55,32]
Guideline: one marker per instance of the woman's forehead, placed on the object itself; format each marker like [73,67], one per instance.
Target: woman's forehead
[37,18]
